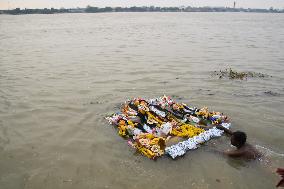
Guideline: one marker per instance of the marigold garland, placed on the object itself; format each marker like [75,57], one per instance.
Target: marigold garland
[148,124]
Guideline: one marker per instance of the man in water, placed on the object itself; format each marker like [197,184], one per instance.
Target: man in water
[238,139]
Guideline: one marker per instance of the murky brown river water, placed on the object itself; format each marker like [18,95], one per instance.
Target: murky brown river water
[60,75]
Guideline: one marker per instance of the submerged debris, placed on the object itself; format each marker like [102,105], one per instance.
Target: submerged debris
[271,93]
[232,74]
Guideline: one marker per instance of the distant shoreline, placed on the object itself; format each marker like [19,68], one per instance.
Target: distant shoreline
[90,9]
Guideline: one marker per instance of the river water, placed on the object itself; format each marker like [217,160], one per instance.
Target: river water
[61,74]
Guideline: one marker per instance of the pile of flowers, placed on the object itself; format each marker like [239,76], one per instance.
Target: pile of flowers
[148,124]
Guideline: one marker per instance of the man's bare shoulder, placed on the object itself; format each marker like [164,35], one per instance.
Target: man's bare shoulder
[235,153]
[247,152]
[250,152]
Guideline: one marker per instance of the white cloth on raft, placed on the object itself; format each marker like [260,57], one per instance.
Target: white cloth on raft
[181,148]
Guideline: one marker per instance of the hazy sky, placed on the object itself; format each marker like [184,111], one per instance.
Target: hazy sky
[5,4]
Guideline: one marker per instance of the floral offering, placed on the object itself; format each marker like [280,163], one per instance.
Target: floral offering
[150,125]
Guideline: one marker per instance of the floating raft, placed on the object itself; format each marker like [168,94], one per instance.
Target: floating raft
[149,124]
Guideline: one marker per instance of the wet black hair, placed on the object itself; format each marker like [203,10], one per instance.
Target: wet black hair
[240,137]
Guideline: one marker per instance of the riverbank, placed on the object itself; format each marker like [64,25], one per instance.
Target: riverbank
[90,9]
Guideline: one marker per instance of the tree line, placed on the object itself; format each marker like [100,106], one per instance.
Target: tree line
[90,9]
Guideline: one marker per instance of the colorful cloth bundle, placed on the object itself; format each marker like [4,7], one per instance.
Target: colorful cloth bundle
[149,124]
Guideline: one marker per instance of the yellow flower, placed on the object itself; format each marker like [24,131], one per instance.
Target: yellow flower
[186,130]
[155,148]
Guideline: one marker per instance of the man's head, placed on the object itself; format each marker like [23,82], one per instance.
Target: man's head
[238,139]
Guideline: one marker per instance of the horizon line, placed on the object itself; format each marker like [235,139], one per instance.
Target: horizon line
[182,6]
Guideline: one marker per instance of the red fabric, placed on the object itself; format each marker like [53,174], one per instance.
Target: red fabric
[280,171]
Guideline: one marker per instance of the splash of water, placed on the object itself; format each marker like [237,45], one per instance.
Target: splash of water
[268,152]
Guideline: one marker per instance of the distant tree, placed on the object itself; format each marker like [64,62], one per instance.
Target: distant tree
[92,9]
[118,9]
[17,11]
[107,9]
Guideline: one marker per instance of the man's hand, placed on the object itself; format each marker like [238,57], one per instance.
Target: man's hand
[224,129]
[220,127]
